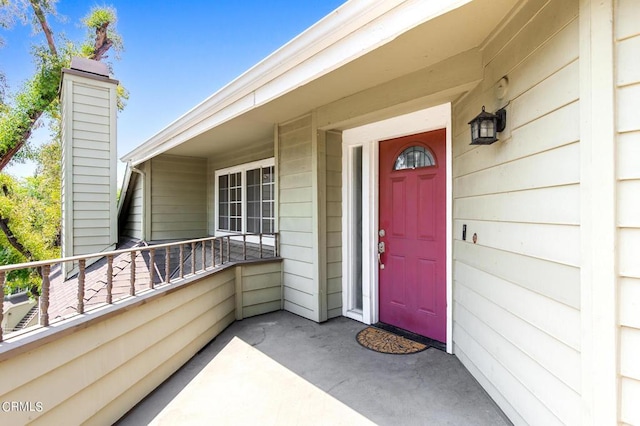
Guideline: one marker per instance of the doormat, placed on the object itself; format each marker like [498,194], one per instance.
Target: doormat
[388,343]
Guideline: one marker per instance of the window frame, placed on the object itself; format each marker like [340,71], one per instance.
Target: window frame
[242,169]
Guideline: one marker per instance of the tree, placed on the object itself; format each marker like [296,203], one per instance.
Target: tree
[30,208]
[40,93]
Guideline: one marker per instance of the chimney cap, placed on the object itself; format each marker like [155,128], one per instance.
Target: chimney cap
[90,66]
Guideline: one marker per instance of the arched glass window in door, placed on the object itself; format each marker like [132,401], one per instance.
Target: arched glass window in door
[414,157]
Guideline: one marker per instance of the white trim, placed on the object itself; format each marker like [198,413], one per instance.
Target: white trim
[598,272]
[242,169]
[347,224]
[368,137]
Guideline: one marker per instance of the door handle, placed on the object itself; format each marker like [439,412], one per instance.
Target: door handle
[381,249]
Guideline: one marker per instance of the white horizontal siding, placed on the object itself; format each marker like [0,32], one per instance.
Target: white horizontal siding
[517,289]
[295,222]
[261,288]
[627,27]
[178,197]
[334,223]
[90,161]
[132,224]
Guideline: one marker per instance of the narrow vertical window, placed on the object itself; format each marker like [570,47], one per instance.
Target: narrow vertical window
[223,202]
[230,202]
[254,200]
[260,201]
[356,228]
[235,202]
[268,200]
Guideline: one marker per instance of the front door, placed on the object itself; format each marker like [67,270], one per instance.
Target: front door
[412,237]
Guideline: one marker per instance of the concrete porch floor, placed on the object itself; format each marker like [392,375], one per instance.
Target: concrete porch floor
[279,368]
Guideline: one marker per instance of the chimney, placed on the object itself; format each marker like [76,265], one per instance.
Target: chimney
[89,159]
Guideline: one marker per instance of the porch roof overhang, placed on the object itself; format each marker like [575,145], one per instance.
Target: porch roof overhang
[361,50]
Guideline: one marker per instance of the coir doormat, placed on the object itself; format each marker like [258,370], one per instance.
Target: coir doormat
[388,343]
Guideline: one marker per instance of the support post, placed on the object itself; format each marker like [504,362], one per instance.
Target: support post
[109,279]
[44,297]
[81,275]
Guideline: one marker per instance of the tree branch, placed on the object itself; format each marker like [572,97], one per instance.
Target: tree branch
[8,156]
[103,43]
[4,226]
[42,19]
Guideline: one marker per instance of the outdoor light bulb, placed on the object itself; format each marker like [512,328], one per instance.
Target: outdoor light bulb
[484,129]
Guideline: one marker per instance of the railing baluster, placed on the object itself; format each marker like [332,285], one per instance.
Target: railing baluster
[181,260]
[213,253]
[152,266]
[229,248]
[2,278]
[132,279]
[275,245]
[222,251]
[109,279]
[81,271]
[44,297]
[167,267]
[261,245]
[204,255]
[193,258]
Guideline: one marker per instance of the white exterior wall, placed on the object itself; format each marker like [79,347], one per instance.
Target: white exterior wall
[89,216]
[132,225]
[334,223]
[627,47]
[94,368]
[296,217]
[178,197]
[258,289]
[517,322]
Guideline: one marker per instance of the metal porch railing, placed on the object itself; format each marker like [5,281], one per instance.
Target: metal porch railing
[115,275]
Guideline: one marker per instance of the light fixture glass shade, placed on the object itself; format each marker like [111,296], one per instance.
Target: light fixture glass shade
[484,128]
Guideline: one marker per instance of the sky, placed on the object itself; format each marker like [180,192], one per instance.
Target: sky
[177,53]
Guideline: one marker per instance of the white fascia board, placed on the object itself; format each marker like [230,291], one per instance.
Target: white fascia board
[351,31]
[124,189]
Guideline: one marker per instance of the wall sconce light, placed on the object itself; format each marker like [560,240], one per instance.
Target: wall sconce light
[486,126]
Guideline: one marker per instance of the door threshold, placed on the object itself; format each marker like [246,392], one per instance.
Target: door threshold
[412,336]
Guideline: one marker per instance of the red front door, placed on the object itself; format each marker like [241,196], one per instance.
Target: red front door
[412,221]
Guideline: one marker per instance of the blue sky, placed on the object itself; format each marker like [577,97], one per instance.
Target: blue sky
[176,53]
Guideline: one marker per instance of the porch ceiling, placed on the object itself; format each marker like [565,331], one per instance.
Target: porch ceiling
[247,117]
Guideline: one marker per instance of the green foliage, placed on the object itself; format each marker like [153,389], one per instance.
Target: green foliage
[97,18]
[33,206]
[100,16]
[36,97]
[122,97]
[20,280]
